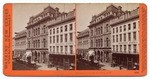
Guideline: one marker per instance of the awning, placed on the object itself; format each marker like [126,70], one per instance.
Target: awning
[91,52]
[27,54]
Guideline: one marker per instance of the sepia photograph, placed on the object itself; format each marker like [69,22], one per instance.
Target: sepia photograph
[70,36]
[108,36]
[69,39]
[43,37]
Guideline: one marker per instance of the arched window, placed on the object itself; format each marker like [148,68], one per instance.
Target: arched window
[36,31]
[44,42]
[44,29]
[39,31]
[29,34]
[99,30]
[96,42]
[91,32]
[107,42]
[107,28]
[38,43]
[101,42]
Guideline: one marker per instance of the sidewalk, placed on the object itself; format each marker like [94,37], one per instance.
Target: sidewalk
[107,66]
[43,66]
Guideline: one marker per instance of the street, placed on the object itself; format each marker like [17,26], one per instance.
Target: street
[81,65]
[21,66]
[86,65]
[24,66]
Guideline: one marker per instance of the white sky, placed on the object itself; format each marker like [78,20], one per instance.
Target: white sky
[86,11]
[22,13]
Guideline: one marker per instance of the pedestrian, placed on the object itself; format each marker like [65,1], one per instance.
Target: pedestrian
[120,67]
[92,59]
[135,67]
[57,68]
[35,60]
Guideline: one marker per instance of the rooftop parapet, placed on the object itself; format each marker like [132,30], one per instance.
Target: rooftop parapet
[126,16]
[61,18]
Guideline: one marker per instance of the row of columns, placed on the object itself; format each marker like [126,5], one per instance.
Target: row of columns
[103,56]
[40,57]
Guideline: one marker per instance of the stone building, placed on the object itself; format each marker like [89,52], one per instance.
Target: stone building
[125,39]
[61,40]
[37,34]
[100,33]
[83,43]
[19,44]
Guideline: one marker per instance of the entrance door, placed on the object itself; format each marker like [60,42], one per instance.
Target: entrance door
[130,65]
[44,57]
[39,58]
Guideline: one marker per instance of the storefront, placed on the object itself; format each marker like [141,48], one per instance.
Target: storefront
[40,56]
[27,56]
[126,60]
[62,61]
[102,55]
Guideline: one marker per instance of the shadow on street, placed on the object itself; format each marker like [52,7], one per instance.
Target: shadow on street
[86,65]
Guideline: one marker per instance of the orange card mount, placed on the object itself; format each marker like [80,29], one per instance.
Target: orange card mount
[69,40]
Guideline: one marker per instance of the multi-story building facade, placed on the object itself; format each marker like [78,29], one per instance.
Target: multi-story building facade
[125,38]
[83,43]
[61,40]
[100,33]
[20,44]
[37,34]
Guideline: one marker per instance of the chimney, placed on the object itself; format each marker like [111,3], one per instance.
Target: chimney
[119,7]
[31,18]
[93,17]
[57,9]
